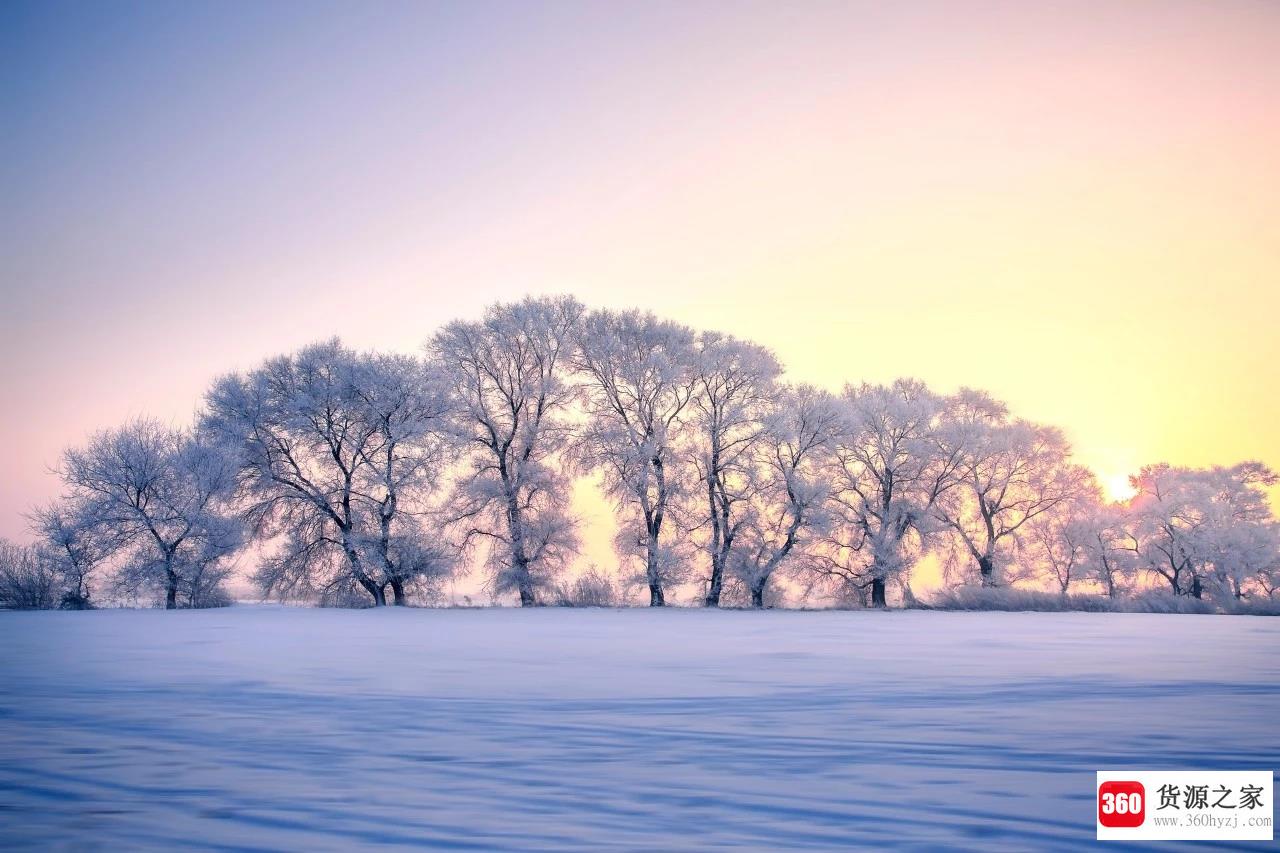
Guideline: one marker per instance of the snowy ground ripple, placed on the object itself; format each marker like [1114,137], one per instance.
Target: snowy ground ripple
[260,728]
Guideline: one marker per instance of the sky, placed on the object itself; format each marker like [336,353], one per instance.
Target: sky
[1073,205]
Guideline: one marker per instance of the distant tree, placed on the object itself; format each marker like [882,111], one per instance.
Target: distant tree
[28,580]
[1201,528]
[640,378]
[403,402]
[76,548]
[733,385]
[789,502]
[1244,557]
[158,496]
[336,452]
[1268,580]
[1109,549]
[296,429]
[1057,544]
[889,472]
[1166,517]
[1242,541]
[509,390]
[1009,472]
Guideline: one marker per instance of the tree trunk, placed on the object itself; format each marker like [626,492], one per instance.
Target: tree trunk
[877,592]
[1197,589]
[376,592]
[515,527]
[717,566]
[986,568]
[171,591]
[527,598]
[656,597]
[717,583]
[397,590]
[653,527]
[757,594]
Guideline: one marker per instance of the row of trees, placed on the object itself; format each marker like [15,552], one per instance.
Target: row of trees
[149,502]
[375,476]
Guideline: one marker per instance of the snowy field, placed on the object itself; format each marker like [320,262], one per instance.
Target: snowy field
[260,728]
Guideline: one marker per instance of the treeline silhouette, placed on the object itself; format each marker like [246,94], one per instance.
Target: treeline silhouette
[364,478]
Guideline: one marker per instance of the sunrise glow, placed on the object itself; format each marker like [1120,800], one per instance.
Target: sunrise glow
[1117,487]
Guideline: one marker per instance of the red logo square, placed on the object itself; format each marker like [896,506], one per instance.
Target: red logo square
[1122,804]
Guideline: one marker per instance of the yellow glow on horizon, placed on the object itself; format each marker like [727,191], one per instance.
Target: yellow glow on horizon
[1117,488]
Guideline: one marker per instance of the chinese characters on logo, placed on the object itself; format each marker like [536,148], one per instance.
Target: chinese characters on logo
[1201,797]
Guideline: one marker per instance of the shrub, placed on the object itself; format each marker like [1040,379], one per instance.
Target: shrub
[1164,602]
[28,581]
[1255,607]
[1008,599]
[346,594]
[592,589]
[1015,600]
[209,597]
[72,600]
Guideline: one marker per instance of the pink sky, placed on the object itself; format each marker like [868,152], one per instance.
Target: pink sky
[1073,205]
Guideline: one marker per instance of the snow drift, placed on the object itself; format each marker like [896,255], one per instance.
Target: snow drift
[252,728]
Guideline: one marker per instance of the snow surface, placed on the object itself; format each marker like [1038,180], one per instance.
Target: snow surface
[277,728]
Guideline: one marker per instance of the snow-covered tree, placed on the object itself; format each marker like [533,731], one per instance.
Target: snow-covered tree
[1166,517]
[1204,528]
[639,377]
[76,548]
[733,389]
[296,429]
[1057,544]
[404,402]
[1009,472]
[28,580]
[509,390]
[159,496]
[339,455]
[1109,549]
[1267,581]
[889,471]
[1242,537]
[1244,556]
[788,507]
